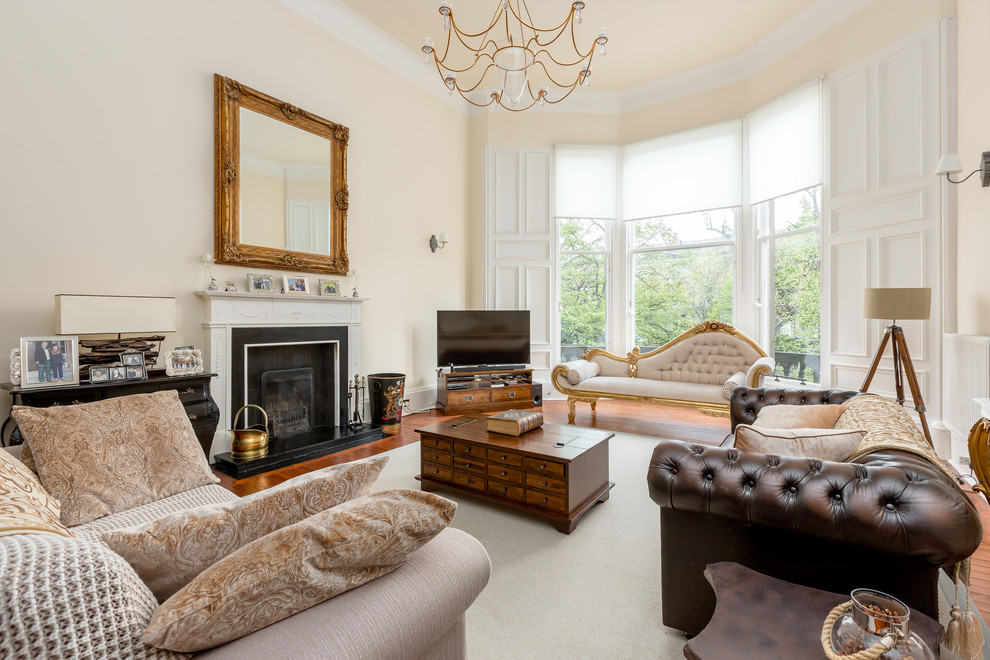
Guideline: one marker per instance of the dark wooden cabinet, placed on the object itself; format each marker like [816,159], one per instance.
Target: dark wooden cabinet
[484,391]
[194,393]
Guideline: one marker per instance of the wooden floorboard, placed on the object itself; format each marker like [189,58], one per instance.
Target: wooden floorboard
[662,422]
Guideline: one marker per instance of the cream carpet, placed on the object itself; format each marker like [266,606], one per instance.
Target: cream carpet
[592,594]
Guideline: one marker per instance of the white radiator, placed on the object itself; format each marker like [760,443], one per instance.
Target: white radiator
[965,375]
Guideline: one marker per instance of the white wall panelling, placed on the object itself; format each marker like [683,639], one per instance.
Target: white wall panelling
[519,242]
[883,124]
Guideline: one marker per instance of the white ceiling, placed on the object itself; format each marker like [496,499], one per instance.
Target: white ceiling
[648,39]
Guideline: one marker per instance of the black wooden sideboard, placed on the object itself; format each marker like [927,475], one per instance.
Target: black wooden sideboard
[194,393]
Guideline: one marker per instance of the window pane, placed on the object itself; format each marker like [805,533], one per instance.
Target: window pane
[718,225]
[802,209]
[582,303]
[676,289]
[797,308]
[578,235]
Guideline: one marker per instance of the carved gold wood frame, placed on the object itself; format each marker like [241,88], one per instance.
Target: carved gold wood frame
[632,359]
[230,96]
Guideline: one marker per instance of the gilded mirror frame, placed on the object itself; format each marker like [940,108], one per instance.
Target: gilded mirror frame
[230,96]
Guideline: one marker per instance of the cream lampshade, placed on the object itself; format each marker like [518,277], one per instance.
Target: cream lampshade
[897,304]
[102,315]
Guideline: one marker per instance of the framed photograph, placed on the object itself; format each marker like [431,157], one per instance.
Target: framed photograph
[298,284]
[49,361]
[118,373]
[329,288]
[230,286]
[136,372]
[260,283]
[132,358]
[99,374]
[183,361]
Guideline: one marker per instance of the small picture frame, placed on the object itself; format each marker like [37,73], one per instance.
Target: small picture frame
[295,284]
[183,361]
[329,287]
[118,373]
[135,372]
[49,361]
[99,374]
[230,286]
[132,358]
[260,283]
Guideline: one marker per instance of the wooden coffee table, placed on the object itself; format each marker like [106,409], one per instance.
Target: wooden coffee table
[557,472]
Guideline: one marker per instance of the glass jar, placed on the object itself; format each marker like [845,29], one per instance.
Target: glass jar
[874,615]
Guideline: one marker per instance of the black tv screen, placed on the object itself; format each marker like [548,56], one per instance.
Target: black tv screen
[489,337]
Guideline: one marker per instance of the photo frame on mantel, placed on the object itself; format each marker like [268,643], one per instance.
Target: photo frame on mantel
[49,361]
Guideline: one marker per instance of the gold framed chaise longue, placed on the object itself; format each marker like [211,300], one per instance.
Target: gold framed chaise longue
[700,368]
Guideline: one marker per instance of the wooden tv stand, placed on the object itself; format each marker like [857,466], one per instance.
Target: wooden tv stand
[481,391]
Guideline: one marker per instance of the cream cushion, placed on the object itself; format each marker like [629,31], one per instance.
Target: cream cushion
[580,370]
[826,444]
[297,567]
[785,416]
[25,506]
[111,455]
[168,553]
[736,380]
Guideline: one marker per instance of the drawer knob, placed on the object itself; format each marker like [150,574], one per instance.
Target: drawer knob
[504,457]
[512,395]
[188,390]
[543,466]
[467,465]
[505,490]
[544,500]
[467,481]
[544,483]
[469,397]
[436,456]
[504,473]
[435,471]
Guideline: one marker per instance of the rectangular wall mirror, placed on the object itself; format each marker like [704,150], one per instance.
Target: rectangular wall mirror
[281,184]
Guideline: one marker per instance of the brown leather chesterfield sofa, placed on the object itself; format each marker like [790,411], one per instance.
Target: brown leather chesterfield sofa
[888,520]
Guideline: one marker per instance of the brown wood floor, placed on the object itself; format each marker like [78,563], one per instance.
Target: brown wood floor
[667,422]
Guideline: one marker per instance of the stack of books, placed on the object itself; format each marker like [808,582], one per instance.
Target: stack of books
[515,422]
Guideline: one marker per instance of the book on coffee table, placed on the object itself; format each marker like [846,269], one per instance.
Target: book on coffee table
[515,422]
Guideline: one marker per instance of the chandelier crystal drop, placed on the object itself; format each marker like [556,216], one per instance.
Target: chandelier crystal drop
[513,58]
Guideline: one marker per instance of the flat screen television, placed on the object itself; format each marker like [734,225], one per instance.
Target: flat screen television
[482,337]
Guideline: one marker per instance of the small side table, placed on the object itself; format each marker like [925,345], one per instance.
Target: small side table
[757,616]
[194,393]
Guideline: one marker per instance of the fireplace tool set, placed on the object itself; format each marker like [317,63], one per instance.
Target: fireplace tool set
[356,388]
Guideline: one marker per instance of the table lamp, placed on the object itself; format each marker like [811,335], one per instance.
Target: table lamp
[904,304]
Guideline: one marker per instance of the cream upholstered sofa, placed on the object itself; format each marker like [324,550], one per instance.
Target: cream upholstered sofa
[74,597]
[700,367]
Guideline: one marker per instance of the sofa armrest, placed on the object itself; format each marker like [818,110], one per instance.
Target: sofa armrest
[760,369]
[746,402]
[573,372]
[895,502]
[399,615]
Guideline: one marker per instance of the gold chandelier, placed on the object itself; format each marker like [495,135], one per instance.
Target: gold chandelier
[520,54]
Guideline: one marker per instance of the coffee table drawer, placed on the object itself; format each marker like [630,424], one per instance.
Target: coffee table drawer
[505,473]
[546,483]
[502,394]
[432,456]
[506,490]
[547,468]
[507,457]
[469,464]
[469,480]
[545,500]
[464,449]
[434,442]
[437,471]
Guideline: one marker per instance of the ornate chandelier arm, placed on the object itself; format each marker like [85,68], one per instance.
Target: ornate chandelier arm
[533,27]
[560,84]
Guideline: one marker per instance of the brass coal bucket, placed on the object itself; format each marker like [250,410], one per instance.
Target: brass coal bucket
[251,442]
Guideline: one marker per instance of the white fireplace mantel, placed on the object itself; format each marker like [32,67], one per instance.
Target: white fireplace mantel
[227,310]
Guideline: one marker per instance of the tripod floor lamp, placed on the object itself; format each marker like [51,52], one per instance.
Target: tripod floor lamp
[893,304]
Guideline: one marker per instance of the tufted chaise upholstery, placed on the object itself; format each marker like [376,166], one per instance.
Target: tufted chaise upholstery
[887,521]
[691,369]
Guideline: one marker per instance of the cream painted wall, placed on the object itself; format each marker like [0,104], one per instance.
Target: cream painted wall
[973,201]
[109,103]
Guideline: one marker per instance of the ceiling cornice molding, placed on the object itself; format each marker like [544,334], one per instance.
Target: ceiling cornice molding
[352,28]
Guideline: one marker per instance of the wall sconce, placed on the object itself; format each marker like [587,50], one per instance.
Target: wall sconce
[950,164]
[438,241]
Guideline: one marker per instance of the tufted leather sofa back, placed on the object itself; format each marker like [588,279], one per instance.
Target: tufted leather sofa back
[710,358]
[745,402]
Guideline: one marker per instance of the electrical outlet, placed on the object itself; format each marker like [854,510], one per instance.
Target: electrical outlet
[964,460]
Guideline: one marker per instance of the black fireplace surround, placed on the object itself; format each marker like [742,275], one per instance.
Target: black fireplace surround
[271,349]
